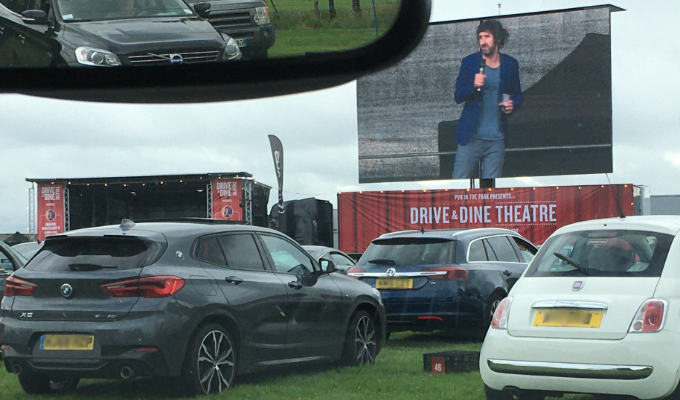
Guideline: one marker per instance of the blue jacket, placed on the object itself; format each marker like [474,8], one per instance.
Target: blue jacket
[465,92]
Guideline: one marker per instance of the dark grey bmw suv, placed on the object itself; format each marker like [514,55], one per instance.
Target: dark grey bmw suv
[198,300]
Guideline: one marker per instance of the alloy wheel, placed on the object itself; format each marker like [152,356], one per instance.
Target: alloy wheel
[215,362]
[365,341]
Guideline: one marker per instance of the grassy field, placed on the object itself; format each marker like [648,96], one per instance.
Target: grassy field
[398,374]
[299,29]
[300,41]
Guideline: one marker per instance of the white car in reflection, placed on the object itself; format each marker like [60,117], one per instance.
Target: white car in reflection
[595,312]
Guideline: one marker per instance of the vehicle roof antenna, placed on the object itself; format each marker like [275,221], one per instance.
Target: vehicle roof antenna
[127,224]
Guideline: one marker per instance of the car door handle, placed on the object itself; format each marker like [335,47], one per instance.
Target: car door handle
[234,279]
[295,285]
[507,273]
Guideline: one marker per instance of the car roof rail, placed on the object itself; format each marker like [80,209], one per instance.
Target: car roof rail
[198,220]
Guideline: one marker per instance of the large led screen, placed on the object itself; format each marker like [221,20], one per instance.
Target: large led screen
[408,115]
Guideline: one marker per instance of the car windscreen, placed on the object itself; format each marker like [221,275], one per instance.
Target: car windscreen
[89,10]
[95,254]
[620,253]
[409,251]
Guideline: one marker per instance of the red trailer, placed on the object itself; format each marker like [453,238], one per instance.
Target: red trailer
[534,212]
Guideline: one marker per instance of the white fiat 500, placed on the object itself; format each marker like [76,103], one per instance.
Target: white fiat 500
[596,311]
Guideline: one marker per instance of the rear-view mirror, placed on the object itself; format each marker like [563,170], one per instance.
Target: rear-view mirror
[287,48]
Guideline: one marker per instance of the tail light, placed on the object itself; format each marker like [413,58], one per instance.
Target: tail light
[650,317]
[18,287]
[355,272]
[452,273]
[500,316]
[148,286]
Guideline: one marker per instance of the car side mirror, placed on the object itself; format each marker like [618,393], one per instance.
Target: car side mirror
[35,17]
[327,266]
[202,9]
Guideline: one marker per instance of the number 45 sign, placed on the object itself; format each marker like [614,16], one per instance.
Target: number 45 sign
[438,365]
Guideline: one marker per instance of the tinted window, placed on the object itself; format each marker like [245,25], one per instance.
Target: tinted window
[241,252]
[208,250]
[89,254]
[603,253]
[476,251]
[490,255]
[409,251]
[502,248]
[287,258]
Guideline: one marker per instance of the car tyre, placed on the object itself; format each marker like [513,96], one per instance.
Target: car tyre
[210,363]
[36,383]
[493,394]
[361,340]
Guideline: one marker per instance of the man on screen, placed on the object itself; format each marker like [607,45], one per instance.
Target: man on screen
[488,83]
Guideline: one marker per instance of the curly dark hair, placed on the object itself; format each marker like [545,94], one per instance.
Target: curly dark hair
[500,35]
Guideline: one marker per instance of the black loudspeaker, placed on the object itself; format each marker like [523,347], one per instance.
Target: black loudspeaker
[308,221]
[260,198]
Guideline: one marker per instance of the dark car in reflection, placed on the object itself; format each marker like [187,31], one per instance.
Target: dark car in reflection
[42,33]
[443,279]
[247,21]
[343,262]
[200,301]
[10,261]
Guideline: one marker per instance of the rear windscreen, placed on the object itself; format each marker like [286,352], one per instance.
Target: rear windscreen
[603,253]
[95,253]
[409,251]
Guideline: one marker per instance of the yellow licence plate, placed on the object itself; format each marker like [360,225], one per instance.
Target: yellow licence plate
[393,283]
[568,318]
[67,342]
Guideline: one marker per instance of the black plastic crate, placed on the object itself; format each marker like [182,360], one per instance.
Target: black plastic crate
[451,361]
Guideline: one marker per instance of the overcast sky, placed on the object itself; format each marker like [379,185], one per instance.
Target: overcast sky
[53,138]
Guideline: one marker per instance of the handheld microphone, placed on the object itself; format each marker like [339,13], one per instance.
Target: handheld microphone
[482,64]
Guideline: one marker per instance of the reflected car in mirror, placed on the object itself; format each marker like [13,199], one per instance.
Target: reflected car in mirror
[247,22]
[108,33]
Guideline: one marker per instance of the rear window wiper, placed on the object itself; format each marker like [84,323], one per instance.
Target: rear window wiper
[382,261]
[90,267]
[572,262]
